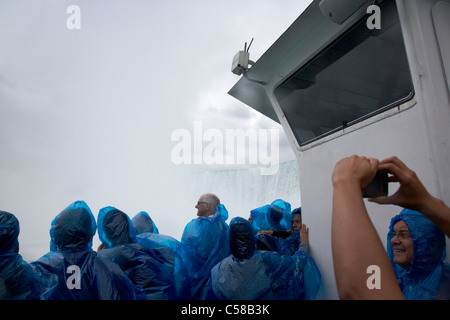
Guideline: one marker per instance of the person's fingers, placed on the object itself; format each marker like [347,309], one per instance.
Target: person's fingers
[392,169]
[382,200]
[305,228]
[374,162]
[395,161]
[393,179]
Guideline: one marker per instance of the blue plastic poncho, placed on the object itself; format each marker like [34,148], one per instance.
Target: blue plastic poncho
[17,281]
[249,274]
[144,227]
[207,239]
[267,242]
[275,216]
[72,270]
[148,264]
[291,244]
[427,277]
[142,223]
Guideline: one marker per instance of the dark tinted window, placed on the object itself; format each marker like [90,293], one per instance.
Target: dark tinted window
[362,73]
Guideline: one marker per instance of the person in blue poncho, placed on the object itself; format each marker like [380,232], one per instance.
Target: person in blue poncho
[267,242]
[145,229]
[17,281]
[151,266]
[273,233]
[207,238]
[72,270]
[272,217]
[299,237]
[416,249]
[142,223]
[249,274]
[275,215]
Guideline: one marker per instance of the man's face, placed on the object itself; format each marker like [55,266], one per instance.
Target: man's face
[402,245]
[297,222]
[202,207]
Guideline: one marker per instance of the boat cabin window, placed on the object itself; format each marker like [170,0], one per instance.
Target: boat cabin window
[362,73]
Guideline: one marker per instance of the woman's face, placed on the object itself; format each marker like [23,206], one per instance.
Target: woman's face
[402,245]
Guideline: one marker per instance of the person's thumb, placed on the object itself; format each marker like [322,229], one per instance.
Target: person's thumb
[381,200]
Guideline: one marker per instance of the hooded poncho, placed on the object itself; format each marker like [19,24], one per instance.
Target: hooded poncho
[145,228]
[275,216]
[72,270]
[142,223]
[207,240]
[249,274]
[147,263]
[16,276]
[427,275]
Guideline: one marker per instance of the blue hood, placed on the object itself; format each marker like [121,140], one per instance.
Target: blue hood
[142,223]
[220,214]
[73,228]
[115,227]
[71,245]
[275,216]
[9,233]
[424,274]
[17,281]
[242,238]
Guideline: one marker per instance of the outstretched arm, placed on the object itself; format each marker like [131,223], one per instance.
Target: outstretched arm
[413,195]
[355,242]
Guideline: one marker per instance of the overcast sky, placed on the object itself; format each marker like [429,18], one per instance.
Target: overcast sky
[88,114]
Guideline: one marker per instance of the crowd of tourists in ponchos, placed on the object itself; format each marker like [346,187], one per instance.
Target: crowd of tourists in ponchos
[261,257]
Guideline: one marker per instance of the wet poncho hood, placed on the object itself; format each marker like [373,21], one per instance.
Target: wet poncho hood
[424,274]
[73,228]
[72,270]
[249,274]
[142,223]
[16,276]
[9,233]
[115,227]
[147,263]
[275,216]
[242,238]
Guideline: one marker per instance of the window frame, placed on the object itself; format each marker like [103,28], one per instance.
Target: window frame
[383,112]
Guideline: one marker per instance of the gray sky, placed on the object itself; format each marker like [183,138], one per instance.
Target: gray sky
[88,114]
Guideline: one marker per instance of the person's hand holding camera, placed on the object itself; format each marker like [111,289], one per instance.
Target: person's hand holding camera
[354,171]
[411,194]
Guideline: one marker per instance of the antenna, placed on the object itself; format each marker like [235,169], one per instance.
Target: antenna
[241,63]
[248,49]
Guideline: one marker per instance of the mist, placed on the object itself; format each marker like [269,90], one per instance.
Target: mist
[88,114]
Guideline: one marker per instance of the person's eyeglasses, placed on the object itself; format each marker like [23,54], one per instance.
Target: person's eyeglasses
[200,202]
[401,235]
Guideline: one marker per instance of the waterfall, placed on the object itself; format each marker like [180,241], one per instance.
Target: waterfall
[245,189]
